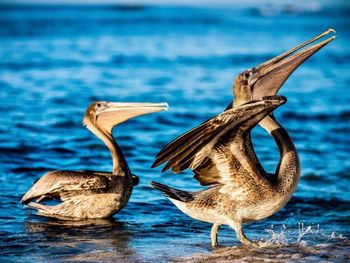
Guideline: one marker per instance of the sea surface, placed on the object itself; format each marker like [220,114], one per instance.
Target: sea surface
[56,60]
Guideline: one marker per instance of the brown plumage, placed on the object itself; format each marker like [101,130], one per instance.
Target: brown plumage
[215,151]
[221,154]
[92,194]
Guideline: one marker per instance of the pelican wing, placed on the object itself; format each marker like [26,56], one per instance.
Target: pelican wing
[61,183]
[215,150]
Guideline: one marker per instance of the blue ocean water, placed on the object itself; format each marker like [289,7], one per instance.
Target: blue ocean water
[55,60]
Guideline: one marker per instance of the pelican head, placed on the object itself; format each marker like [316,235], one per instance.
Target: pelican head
[102,116]
[267,78]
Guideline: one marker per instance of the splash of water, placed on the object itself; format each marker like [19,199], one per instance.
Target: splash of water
[301,236]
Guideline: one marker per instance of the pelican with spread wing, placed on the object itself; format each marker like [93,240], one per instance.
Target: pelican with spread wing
[221,154]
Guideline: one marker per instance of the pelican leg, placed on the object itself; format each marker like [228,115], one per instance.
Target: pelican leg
[241,237]
[214,235]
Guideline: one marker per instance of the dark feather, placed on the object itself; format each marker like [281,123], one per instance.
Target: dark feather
[173,193]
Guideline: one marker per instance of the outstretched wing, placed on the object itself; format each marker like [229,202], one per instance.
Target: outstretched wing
[215,150]
[58,183]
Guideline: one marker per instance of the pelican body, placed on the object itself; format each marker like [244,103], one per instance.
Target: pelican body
[92,194]
[221,154]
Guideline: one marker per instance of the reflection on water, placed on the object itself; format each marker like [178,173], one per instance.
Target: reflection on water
[101,239]
[50,223]
[55,60]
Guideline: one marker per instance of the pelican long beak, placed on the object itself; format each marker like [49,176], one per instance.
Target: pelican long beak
[267,78]
[135,108]
[118,112]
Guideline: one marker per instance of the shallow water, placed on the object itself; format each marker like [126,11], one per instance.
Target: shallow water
[55,60]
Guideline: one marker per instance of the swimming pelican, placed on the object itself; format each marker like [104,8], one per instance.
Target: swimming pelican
[242,191]
[92,194]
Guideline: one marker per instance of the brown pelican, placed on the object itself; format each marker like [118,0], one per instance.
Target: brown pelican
[242,191]
[92,194]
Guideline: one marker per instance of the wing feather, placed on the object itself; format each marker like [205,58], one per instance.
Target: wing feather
[215,150]
[59,183]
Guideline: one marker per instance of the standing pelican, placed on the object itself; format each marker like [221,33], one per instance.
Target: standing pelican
[215,150]
[91,194]
[242,190]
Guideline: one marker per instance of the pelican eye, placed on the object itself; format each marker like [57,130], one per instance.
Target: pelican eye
[98,105]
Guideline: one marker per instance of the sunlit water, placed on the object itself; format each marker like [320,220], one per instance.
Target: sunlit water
[54,61]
